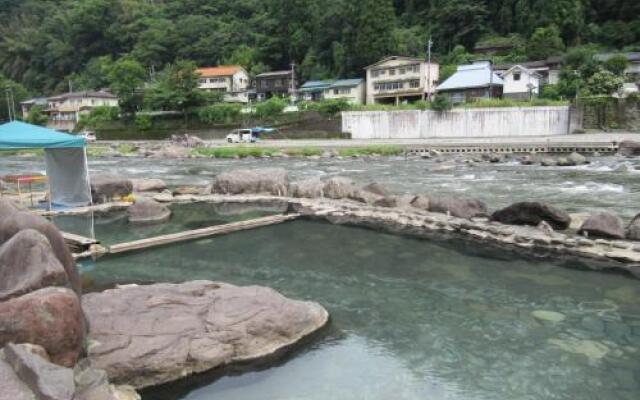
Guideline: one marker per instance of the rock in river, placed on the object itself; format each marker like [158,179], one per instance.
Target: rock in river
[633,230]
[629,148]
[457,207]
[148,185]
[603,224]
[148,335]
[148,211]
[273,181]
[532,213]
[105,188]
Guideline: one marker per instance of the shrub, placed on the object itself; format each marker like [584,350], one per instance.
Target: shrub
[97,115]
[441,103]
[270,108]
[332,107]
[550,92]
[220,113]
[422,105]
[143,122]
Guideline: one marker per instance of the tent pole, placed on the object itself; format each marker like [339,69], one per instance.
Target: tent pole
[86,165]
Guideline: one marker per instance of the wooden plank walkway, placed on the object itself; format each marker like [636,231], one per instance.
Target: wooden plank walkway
[215,230]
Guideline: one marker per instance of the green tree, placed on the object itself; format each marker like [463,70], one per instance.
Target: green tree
[369,35]
[126,79]
[617,64]
[270,108]
[604,82]
[441,103]
[36,116]
[458,22]
[545,42]
[176,88]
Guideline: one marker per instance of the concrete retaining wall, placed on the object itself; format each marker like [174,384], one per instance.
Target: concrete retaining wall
[476,122]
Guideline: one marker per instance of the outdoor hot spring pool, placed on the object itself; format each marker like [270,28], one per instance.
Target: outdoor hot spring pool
[411,319]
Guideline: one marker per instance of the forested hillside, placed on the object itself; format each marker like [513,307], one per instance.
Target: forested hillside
[46,43]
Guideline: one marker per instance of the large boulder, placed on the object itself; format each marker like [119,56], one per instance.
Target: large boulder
[11,225]
[376,188]
[532,213]
[50,317]
[27,263]
[148,185]
[45,379]
[7,208]
[171,151]
[339,187]
[457,207]
[308,188]
[273,181]
[633,230]
[629,148]
[148,211]
[106,187]
[26,373]
[604,225]
[148,335]
[577,159]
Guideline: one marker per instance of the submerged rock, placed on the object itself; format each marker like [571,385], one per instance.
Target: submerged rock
[376,188]
[148,335]
[550,316]
[148,211]
[548,162]
[604,225]
[577,159]
[273,181]
[532,213]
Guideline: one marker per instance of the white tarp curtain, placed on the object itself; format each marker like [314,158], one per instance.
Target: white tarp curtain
[67,171]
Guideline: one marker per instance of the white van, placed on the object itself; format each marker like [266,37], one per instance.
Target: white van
[241,136]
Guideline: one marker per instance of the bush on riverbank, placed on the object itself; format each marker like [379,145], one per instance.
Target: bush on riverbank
[382,150]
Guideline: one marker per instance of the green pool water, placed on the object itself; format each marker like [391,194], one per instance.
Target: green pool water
[412,319]
[114,227]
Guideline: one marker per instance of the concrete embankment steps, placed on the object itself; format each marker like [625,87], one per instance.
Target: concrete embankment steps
[201,233]
[565,147]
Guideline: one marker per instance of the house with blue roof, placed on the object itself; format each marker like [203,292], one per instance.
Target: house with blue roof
[352,90]
[473,81]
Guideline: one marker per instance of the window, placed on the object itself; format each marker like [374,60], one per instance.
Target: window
[516,76]
[392,72]
[342,91]
[402,71]
[414,84]
[375,73]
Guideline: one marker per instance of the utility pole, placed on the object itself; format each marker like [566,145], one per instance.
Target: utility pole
[6,94]
[293,81]
[429,44]
[490,80]
[70,86]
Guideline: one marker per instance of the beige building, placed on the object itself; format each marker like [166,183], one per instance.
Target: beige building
[64,110]
[398,79]
[232,80]
[352,90]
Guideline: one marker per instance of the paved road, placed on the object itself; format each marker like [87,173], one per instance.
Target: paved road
[586,138]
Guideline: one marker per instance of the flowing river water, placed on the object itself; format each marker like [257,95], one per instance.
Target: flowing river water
[608,183]
[411,319]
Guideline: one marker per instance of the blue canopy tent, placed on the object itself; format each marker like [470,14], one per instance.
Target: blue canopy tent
[65,157]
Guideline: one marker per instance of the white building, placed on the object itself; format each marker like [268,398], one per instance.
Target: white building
[398,79]
[232,80]
[520,83]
